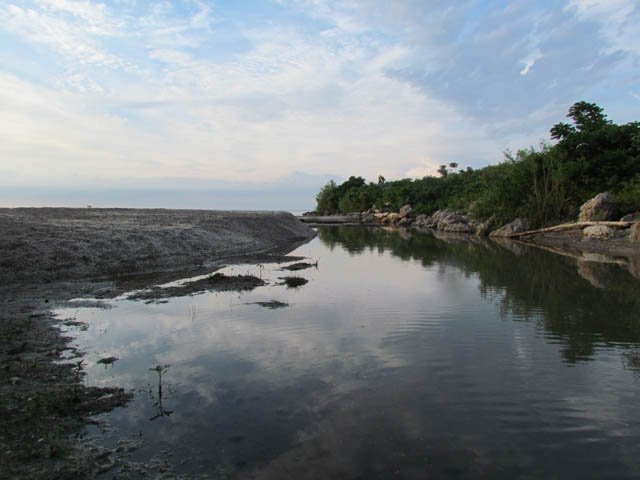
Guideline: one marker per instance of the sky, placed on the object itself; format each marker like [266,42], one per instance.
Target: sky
[257,104]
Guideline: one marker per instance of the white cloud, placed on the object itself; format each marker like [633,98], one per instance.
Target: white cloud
[529,61]
[620,19]
[73,41]
[344,88]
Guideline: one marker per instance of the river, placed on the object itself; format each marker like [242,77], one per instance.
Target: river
[404,356]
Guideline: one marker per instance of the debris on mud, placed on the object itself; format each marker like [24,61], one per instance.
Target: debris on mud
[108,360]
[217,282]
[299,266]
[273,304]
[293,282]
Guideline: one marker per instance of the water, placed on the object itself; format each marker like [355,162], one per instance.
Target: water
[403,357]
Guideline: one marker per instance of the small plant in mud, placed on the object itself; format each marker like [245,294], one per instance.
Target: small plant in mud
[294,282]
[160,370]
[77,374]
[162,412]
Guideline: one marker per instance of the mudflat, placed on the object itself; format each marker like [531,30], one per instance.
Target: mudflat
[45,244]
[51,255]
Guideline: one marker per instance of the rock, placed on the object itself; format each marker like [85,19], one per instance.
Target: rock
[631,217]
[420,221]
[483,228]
[459,228]
[599,208]
[404,222]
[405,211]
[635,233]
[519,225]
[440,214]
[598,232]
[454,223]
[391,218]
[433,220]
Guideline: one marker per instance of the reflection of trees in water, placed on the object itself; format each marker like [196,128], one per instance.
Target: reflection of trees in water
[574,308]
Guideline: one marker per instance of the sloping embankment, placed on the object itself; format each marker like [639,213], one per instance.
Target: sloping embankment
[45,244]
[50,255]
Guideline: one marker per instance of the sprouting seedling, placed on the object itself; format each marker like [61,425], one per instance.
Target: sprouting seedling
[78,369]
[78,374]
[160,370]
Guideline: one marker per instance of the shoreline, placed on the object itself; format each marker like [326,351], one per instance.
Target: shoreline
[568,237]
[52,255]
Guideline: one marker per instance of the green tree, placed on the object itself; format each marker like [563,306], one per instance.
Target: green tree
[327,199]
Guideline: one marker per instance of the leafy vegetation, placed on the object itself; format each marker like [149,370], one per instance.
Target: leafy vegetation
[545,184]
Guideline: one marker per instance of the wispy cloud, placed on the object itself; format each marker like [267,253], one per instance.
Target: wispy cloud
[222,91]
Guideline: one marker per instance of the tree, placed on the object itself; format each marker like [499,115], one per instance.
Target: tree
[443,171]
[328,198]
[594,154]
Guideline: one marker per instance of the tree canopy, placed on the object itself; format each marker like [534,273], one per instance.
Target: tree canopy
[545,184]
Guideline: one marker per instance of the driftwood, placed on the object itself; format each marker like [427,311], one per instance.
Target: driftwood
[569,226]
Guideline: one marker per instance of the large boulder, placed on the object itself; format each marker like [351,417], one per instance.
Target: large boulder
[405,211]
[459,227]
[404,222]
[391,218]
[454,222]
[635,233]
[420,221]
[599,208]
[519,225]
[484,228]
[598,232]
[631,217]
[439,215]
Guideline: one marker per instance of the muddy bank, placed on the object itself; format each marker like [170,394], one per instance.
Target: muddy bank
[50,256]
[48,244]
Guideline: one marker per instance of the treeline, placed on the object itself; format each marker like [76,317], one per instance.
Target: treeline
[547,184]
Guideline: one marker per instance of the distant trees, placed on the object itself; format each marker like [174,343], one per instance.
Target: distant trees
[547,184]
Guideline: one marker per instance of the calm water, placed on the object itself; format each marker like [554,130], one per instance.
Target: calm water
[401,358]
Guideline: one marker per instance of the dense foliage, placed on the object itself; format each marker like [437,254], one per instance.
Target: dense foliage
[546,184]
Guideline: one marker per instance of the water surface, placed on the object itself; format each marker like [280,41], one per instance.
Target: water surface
[405,356]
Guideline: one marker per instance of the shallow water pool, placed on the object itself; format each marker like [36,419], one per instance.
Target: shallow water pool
[404,356]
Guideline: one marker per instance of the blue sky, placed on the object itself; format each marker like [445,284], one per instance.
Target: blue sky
[238,104]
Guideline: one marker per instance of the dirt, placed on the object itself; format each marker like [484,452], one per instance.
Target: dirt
[218,282]
[299,266]
[273,304]
[50,256]
[293,282]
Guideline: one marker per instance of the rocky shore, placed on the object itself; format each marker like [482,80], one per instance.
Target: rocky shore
[599,227]
[49,256]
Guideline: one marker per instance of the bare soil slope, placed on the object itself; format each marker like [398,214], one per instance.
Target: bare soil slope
[50,255]
[45,244]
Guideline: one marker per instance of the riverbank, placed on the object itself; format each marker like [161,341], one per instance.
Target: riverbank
[590,235]
[53,255]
